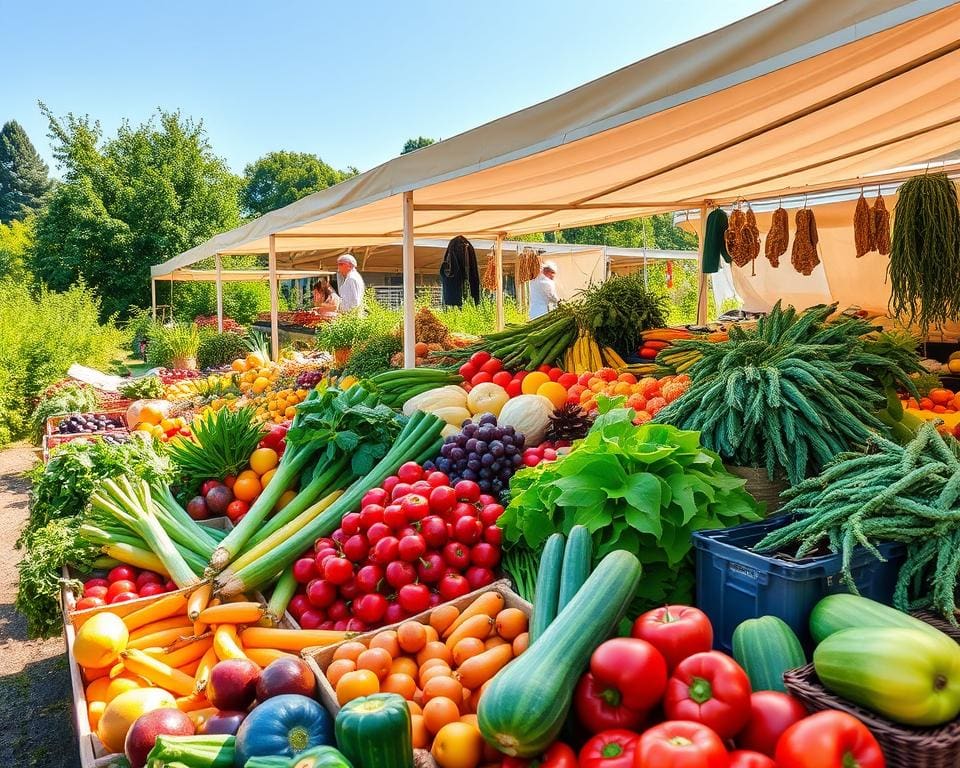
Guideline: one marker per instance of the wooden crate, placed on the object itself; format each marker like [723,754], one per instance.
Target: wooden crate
[320,658]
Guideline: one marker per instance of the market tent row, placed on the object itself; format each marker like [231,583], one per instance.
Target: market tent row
[803,96]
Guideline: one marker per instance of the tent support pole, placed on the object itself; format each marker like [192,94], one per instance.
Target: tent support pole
[274,301]
[704,285]
[219,294]
[498,261]
[409,292]
[153,298]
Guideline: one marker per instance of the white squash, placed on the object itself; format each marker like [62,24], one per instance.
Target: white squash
[487,398]
[452,415]
[449,431]
[529,415]
[442,397]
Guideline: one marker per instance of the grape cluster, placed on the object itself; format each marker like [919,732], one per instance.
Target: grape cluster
[482,452]
[88,422]
[309,379]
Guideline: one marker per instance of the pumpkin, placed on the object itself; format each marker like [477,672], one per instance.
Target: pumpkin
[283,726]
[487,398]
[529,415]
[430,401]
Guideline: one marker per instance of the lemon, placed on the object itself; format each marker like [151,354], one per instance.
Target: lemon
[100,640]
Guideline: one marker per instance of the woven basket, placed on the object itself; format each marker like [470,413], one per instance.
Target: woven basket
[762,488]
[903,746]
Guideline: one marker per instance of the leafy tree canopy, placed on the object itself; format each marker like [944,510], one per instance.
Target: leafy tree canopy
[16,238]
[129,202]
[24,178]
[280,178]
[417,143]
[652,232]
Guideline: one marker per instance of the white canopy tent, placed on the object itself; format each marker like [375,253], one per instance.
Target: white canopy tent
[803,96]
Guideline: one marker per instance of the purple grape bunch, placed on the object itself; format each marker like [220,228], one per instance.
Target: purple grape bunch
[482,451]
[309,379]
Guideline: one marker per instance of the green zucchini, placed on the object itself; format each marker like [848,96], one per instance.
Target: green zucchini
[907,675]
[766,648]
[526,703]
[375,732]
[845,611]
[577,556]
[548,586]
[320,757]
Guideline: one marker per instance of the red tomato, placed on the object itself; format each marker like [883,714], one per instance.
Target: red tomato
[558,755]
[98,591]
[429,570]
[681,744]
[122,597]
[305,570]
[337,570]
[123,585]
[744,758]
[468,371]
[453,586]
[208,486]
[150,589]
[148,577]
[544,368]
[502,378]
[492,366]
[456,555]
[479,358]
[627,677]
[515,388]
[567,380]
[229,481]
[829,739]
[122,573]
[478,576]
[555,374]
[370,607]
[412,547]
[237,509]
[442,499]
[376,496]
[437,479]
[481,378]
[414,598]
[614,748]
[410,472]
[95,583]
[467,490]
[771,713]
[89,602]
[434,531]
[709,688]
[677,631]
[415,506]
[398,573]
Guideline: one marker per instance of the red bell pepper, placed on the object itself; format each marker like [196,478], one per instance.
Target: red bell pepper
[677,631]
[558,755]
[745,758]
[627,677]
[829,739]
[771,713]
[681,744]
[615,748]
[709,688]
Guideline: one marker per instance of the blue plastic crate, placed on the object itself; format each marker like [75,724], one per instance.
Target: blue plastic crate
[734,583]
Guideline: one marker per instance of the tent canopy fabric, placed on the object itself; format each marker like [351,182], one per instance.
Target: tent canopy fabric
[804,95]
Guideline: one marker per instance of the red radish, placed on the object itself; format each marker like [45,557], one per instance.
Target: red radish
[122,597]
[89,602]
[304,570]
[321,593]
[148,577]
[337,570]
[120,586]
[151,588]
[122,573]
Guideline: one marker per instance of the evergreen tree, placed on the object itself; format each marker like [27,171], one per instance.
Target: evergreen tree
[418,143]
[24,176]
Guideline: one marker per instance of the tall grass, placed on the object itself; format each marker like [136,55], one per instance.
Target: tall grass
[41,335]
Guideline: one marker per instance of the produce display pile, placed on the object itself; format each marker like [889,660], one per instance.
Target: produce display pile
[491,563]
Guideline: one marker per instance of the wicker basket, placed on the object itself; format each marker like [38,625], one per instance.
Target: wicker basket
[759,486]
[903,746]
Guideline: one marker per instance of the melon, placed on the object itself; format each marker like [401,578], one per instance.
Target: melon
[121,713]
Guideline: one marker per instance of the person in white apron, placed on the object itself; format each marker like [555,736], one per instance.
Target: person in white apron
[543,291]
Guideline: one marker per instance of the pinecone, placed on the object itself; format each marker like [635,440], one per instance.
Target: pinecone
[569,422]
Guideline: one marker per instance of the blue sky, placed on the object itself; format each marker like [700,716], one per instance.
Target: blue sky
[347,81]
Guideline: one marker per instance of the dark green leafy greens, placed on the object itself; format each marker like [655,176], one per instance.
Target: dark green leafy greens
[618,309]
[643,489]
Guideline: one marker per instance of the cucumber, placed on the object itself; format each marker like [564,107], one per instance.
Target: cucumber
[577,557]
[766,648]
[548,586]
[374,732]
[845,611]
[526,703]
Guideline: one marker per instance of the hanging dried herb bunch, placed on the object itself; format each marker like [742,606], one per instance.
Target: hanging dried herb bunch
[489,280]
[804,256]
[734,237]
[750,237]
[778,237]
[924,267]
[864,236]
[881,225]
[529,265]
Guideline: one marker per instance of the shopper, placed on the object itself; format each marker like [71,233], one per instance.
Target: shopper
[543,291]
[325,299]
[350,283]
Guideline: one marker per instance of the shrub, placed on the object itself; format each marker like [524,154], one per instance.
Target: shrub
[218,349]
[41,336]
[169,344]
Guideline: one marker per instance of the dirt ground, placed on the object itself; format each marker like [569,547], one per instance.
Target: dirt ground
[36,722]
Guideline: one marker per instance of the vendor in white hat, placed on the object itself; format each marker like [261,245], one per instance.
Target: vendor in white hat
[543,291]
[350,283]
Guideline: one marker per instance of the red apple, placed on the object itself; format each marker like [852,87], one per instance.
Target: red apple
[144,731]
[233,684]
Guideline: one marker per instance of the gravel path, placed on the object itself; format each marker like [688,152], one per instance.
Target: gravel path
[35,700]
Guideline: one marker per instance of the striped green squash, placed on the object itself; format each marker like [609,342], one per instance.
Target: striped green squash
[577,557]
[766,648]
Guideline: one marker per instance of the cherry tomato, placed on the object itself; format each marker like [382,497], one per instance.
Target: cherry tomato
[399,574]
[410,548]
[369,515]
[148,577]
[744,758]
[89,602]
[467,530]
[305,570]
[478,577]
[237,509]
[456,555]
[485,555]
[434,531]
[394,516]
[414,598]
[311,618]
[385,550]
[298,604]
[97,591]
[370,607]
[394,613]
[492,366]
[321,593]
[122,573]
[388,485]
[119,587]
[442,500]
[337,570]
[410,472]
[430,568]
[378,531]
[453,586]
[493,534]
[375,496]
[150,589]
[467,490]
[122,597]
[356,548]
[350,524]
[95,583]
[368,578]
[436,479]
[502,378]
[477,359]
[490,513]
[338,610]
[675,744]
[481,378]
[400,490]
[415,506]
[208,486]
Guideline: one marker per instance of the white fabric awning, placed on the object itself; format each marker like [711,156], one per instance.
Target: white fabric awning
[805,95]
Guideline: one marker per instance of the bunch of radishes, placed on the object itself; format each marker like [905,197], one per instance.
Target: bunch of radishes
[416,541]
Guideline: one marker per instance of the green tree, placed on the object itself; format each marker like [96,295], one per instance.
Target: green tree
[129,202]
[280,178]
[651,232]
[417,143]
[16,239]
[24,178]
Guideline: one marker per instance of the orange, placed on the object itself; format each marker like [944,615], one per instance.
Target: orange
[428,673]
[467,648]
[415,709]
[377,660]
[510,622]
[402,685]
[554,392]
[532,382]
[442,686]
[338,669]
[411,636]
[388,641]
[351,650]
[404,666]
[434,650]
[255,360]
[267,477]
[438,712]
[458,745]
[95,712]
[263,460]
[627,377]
[239,365]
[421,736]
[260,384]
[97,690]
[248,473]
[247,488]
[353,685]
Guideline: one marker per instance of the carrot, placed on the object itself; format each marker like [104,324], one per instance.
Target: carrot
[158,673]
[476,670]
[227,644]
[232,613]
[262,657]
[194,704]
[198,600]
[520,643]
[289,639]
[192,651]
[162,638]
[478,626]
[489,603]
[174,622]
[190,669]
[493,642]
[442,617]
[207,663]
[164,608]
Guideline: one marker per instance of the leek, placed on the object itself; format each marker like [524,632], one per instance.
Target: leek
[283,593]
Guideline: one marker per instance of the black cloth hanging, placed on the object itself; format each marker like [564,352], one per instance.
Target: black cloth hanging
[459,267]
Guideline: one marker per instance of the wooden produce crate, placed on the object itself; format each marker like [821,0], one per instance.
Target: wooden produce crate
[320,658]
